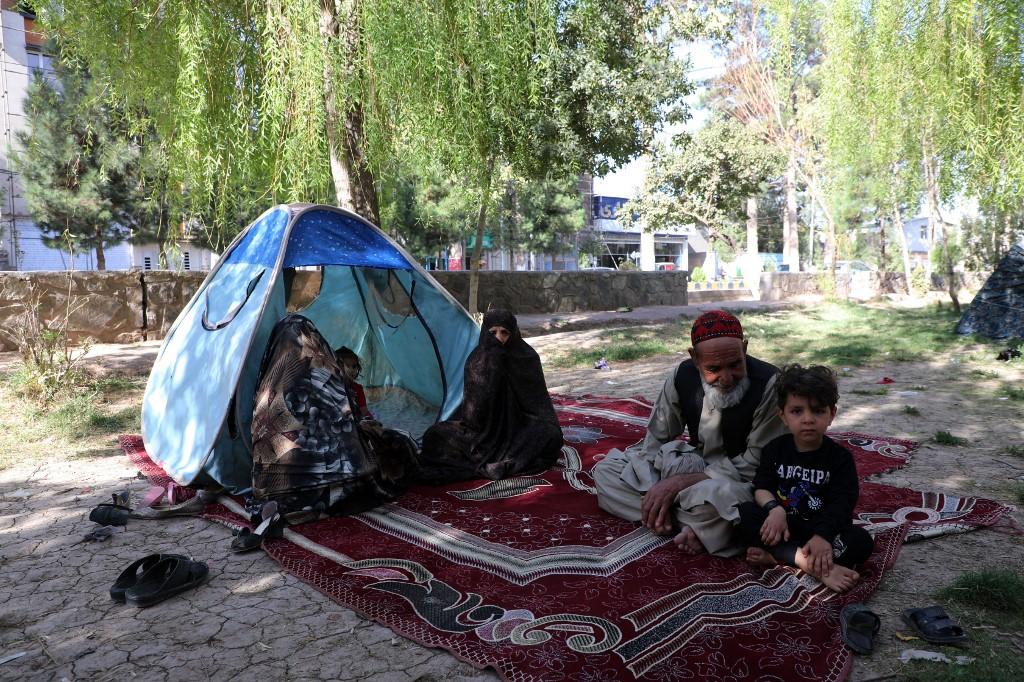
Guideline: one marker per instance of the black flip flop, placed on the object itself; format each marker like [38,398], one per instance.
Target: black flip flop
[130,576]
[934,625]
[107,514]
[169,576]
[860,625]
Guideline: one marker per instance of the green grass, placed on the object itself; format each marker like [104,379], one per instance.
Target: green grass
[911,410]
[984,374]
[869,391]
[837,334]
[1015,450]
[1014,393]
[85,417]
[946,438]
[989,605]
[993,589]
[1017,489]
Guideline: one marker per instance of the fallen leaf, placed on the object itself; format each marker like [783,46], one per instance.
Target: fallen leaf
[904,637]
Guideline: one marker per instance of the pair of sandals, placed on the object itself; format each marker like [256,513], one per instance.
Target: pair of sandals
[154,578]
[860,626]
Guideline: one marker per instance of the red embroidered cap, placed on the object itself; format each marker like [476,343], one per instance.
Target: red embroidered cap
[713,324]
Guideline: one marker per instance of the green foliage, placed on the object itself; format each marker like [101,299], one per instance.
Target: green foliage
[938,256]
[911,410]
[1015,450]
[1018,492]
[81,165]
[698,275]
[919,281]
[870,391]
[989,236]
[253,99]
[946,438]
[705,178]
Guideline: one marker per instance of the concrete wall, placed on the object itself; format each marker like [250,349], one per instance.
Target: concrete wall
[567,292]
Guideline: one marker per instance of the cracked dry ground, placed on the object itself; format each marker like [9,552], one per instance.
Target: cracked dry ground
[253,621]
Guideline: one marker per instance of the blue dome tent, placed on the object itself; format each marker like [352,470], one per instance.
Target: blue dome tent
[412,338]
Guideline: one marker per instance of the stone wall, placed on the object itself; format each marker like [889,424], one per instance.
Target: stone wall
[106,306]
[568,292]
[779,286]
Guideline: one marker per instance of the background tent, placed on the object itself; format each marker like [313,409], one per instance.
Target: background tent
[997,311]
[367,293]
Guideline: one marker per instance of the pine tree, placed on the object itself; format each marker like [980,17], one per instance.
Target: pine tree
[79,164]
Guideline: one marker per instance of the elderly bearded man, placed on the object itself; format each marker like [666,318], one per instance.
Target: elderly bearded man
[723,398]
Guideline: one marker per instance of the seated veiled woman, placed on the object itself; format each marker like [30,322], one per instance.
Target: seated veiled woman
[506,425]
[309,453]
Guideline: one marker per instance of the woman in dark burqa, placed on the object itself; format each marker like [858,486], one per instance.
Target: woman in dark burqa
[506,425]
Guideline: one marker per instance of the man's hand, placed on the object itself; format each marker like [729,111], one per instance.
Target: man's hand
[818,550]
[775,529]
[656,505]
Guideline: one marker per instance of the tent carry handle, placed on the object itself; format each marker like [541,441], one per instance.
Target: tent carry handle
[210,327]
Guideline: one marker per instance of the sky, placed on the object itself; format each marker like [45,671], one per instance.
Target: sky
[703,64]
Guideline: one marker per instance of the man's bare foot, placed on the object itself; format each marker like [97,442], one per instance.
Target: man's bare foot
[759,557]
[688,542]
[840,578]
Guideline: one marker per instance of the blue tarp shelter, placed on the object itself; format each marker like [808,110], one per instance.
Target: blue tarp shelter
[411,336]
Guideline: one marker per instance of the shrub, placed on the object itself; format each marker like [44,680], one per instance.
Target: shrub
[698,275]
[919,281]
[50,361]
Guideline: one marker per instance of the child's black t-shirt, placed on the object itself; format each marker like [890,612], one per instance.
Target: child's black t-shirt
[820,487]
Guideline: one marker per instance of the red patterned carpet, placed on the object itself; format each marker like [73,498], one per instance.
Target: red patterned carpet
[528,576]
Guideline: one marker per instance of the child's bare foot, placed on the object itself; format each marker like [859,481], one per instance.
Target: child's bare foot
[759,557]
[688,542]
[840,578]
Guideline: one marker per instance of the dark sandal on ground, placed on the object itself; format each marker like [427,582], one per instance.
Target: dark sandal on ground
[130,576]
[860,625]
[169,576]
[934,625]
[107,514]
[272,526]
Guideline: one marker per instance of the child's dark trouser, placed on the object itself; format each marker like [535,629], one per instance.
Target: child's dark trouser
[849,548]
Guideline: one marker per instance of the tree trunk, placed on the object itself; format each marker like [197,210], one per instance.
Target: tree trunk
[790,235]
[937,228]
[752,226]
[883,266]
[101,259]
[481,218]
[354,187]
[897,223]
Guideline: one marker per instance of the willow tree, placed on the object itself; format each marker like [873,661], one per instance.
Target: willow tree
[769,86]
[533,89]
[950,76]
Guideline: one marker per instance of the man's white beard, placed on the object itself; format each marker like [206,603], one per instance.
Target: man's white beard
[720,399]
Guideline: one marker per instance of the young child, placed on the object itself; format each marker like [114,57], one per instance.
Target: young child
[806,487]
[351,367]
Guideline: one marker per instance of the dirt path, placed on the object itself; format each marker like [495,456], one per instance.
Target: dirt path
[253,621]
